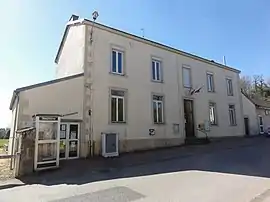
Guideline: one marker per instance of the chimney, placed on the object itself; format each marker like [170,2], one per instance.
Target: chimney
[74,17]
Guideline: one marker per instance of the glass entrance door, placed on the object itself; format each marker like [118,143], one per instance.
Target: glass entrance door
[69,140]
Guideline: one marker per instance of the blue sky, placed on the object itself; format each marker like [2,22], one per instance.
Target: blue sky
[31,31]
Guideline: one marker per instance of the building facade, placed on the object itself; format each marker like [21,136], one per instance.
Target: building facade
[150,94]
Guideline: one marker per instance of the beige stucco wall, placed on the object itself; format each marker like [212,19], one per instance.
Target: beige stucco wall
[250,112]
[266,119]
[71,59]
[58,98]
[13,126]
[137,82]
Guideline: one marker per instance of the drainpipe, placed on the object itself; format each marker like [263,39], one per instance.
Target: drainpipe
[14,128]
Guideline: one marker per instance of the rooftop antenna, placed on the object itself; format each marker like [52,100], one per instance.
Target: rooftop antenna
[224,60]
[142,29]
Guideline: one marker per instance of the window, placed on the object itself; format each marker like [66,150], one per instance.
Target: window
[158,109]
[156,70]
[212,113]
[229,87]
[186,77]
[117,106]
[232,115]
[117,62]
[210,82]
[261,125]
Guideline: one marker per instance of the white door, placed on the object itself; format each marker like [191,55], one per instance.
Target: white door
[261,125]
[69,140]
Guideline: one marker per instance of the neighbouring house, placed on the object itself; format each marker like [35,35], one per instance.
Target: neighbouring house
[150,94]
[256,115]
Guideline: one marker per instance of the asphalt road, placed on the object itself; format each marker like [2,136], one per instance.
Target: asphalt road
[240,174]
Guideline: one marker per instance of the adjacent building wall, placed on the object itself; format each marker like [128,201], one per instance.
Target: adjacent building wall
[251,113]
[266,119]
[134,134]
[71,59]
[57,98]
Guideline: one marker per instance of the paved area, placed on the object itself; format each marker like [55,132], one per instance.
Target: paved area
[240,173]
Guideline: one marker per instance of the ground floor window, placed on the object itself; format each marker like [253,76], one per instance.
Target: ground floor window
[117,106]
[158,113]
[232,115]
[261,125]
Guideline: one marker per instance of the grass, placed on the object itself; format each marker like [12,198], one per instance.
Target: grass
[2,142]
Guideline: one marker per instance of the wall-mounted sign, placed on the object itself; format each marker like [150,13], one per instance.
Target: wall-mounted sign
[152,131]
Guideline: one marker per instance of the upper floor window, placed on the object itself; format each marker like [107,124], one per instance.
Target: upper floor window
[212,113]
[156,70]
[158,113]
[232,115]
[229,87]
[117,106]
[187,77]
[117,62]
[210,82]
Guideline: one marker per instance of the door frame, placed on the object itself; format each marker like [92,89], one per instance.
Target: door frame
[68,140]
[260,116]
[246,117]
[194,115]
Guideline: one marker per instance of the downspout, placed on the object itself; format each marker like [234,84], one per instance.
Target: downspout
[14,129]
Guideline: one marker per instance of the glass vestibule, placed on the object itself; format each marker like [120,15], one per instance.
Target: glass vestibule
[69,140]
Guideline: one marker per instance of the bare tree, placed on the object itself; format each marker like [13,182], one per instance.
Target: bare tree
[246,84]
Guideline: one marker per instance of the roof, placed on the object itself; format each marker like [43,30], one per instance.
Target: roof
[77,21]
[18,90]
[260,103]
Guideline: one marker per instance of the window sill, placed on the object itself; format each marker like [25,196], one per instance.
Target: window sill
[230,95]
[118,122]
[214,124]
[211,91]
[233,125]
[157,81]
[161,123]
[118,74]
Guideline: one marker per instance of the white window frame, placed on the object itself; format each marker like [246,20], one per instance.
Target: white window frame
[229,85]
[118,97]
[234,115]
[210,82]
[116,62]
[159,68]
[156,103]
[214,106]
[261,126]
[190,79]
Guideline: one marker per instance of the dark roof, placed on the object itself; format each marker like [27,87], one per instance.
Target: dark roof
[18,90]
[257,101]
[81,21]
[260,102]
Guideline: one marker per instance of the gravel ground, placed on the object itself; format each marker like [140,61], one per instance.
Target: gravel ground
[5,172]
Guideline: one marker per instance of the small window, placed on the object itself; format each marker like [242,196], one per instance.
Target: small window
[232,115]
[187,77]
[210,82]
[117,106]
[261,125]
[229,87]
[158,113]
[156,71]
[117,62]
[212,113]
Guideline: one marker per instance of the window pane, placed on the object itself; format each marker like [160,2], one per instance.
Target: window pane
[113,109]
[120,61]
[186,77]
[261,120]
[157,97]
[120,109]
[113,61]
[155,112]
[160,116]
[210,82]
[117,92]
[212,114]
[158,70]
[153,71]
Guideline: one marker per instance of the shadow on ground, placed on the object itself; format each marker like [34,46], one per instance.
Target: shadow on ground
[246,156]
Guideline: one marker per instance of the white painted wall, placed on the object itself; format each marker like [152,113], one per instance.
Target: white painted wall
[59,98]
[137,82]
[71,59]
[13,126]
[251,113]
